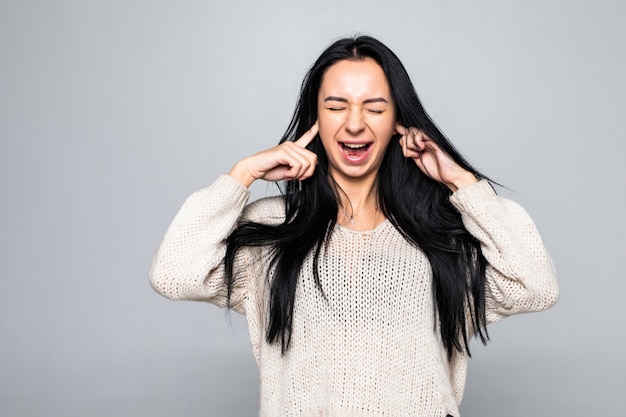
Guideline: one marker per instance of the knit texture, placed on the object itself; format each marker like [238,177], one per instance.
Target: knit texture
[369,349]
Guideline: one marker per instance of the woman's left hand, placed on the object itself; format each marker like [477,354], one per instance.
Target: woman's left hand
[432,160]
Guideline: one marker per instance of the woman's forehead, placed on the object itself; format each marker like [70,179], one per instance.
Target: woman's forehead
[356,78]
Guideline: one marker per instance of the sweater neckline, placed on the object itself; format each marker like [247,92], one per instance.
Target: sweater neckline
[363,232]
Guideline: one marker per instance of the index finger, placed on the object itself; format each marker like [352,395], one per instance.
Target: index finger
[308,136]
[401,129]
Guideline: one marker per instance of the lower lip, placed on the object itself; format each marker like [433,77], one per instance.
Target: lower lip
[356,159]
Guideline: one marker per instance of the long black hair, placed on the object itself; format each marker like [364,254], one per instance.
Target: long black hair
[417,206]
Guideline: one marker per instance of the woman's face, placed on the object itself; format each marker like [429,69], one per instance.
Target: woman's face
[357,118]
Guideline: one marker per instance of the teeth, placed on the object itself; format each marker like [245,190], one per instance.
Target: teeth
[355,145]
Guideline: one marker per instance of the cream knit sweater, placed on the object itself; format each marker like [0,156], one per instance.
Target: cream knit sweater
[369,349]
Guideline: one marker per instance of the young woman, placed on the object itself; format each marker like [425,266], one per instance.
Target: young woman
[386,252]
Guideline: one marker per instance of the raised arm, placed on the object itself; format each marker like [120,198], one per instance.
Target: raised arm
[189,262]
[520,274]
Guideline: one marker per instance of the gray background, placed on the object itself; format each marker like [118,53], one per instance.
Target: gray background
[112,112]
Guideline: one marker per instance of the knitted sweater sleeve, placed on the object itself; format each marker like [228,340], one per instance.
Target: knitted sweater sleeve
[188,264]
[520,275]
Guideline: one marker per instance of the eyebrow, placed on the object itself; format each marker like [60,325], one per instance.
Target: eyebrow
[369,100]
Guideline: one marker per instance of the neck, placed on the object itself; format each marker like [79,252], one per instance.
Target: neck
[356,195]
[358,203]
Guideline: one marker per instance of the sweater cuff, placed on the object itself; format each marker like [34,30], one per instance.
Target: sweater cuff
[464,198]
[227,182]
[225,191]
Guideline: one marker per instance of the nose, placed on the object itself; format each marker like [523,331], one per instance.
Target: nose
[355,123]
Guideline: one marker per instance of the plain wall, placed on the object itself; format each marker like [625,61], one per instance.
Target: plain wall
[112,112]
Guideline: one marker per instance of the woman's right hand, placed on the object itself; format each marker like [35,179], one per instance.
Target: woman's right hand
[287,161]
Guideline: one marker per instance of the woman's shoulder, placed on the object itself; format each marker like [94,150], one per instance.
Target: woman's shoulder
[269,210]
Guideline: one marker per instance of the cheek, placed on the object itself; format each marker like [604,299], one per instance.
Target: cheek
[329,125]
[383,127]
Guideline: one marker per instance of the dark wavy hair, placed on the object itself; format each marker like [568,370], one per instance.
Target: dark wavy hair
[417,206]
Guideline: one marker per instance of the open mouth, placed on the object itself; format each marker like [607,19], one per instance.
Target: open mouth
[355,151]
